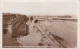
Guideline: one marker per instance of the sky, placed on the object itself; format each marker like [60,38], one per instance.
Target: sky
[40,8]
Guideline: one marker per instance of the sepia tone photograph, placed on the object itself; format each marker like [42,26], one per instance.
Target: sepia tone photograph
[39,25]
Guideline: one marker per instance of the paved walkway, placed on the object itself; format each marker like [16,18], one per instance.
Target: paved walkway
[32,39]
